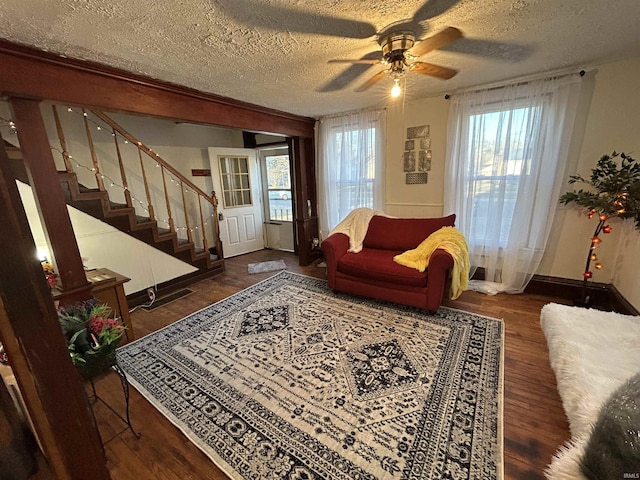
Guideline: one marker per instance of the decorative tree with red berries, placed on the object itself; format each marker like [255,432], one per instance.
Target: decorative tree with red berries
[614,192]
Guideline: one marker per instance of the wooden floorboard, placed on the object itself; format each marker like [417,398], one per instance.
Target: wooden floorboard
[534,421]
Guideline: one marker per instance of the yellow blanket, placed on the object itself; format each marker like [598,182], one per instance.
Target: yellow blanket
[452,241]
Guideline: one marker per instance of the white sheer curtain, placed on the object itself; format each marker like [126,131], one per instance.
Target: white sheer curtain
[350,164]
[506,156]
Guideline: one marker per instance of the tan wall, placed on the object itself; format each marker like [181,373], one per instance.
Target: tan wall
[611,121]
[425,200]
[614,124]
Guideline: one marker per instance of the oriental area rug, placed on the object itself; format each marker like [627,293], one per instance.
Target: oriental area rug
[289,380]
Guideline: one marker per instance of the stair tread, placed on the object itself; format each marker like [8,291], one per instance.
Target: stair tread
[84,189]
[117,206]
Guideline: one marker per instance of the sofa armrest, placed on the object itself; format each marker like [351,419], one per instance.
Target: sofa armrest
[440,264]
[334,247]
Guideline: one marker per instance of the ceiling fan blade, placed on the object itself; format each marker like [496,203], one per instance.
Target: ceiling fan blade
[372,81]
[433,8]
[433,70]
[344,60]
[261,14]
[439,40]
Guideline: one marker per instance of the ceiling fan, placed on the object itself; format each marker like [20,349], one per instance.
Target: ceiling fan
[400,40]
[399,54]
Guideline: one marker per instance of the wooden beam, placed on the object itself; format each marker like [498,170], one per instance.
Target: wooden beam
[33,339]
[28,72]
[306,213]
[52,207]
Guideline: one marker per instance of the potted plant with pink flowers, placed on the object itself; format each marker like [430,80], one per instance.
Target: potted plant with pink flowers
[92,336]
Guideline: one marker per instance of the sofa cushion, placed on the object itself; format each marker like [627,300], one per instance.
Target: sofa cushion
[377,264]
[402,233]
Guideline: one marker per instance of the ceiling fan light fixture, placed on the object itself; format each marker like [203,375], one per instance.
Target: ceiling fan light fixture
[396,90]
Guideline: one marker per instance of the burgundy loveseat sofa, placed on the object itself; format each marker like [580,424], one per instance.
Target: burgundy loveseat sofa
[372,271]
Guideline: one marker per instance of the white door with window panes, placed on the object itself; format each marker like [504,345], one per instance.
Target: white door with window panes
[278,198]
[236,181]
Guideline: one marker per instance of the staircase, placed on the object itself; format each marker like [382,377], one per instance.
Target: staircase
[137,217]
[97,204]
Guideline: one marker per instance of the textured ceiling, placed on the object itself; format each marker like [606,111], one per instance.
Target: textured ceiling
[274,52]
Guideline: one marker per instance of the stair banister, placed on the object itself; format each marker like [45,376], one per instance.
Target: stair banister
[186,214]
[156,157]
[205,244]
[94,155]
[63,143]
[216,222]
[172,227]
[164,165]
[152,214]
[123,176]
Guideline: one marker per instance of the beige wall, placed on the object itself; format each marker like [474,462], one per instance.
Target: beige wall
[404,200]
[614,124]
[610,121]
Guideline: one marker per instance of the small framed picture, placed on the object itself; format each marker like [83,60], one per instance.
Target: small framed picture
[409,161]
[418,132]
[424,160]
[425,143]
[409,144]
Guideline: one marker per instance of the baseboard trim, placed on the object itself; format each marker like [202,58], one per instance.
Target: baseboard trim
[170,286]
[602,295]
[623,302]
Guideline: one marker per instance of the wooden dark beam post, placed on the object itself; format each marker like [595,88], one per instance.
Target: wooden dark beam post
[33,339]
[306,205]
[49,196]
[36,74]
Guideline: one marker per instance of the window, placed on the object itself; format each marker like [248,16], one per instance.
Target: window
[351,151]
[279,187]
[355,185]
[501,159]
[236,187]
[507,152]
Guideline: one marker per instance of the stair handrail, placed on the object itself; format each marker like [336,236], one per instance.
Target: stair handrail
[141,146]
[164,165]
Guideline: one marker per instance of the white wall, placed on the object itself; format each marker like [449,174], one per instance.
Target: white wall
[611,121]
[103,246]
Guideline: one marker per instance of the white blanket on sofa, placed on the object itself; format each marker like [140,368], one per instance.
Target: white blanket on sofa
[592,353]
[355,226]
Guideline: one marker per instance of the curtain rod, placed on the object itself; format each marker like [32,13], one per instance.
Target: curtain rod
[352,112]
[521,81]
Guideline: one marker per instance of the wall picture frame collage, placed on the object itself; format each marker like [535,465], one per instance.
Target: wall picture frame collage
[417,155]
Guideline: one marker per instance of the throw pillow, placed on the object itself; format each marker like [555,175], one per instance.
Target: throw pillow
[613,450]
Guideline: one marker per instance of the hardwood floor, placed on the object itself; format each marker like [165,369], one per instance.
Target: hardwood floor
[534,421]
